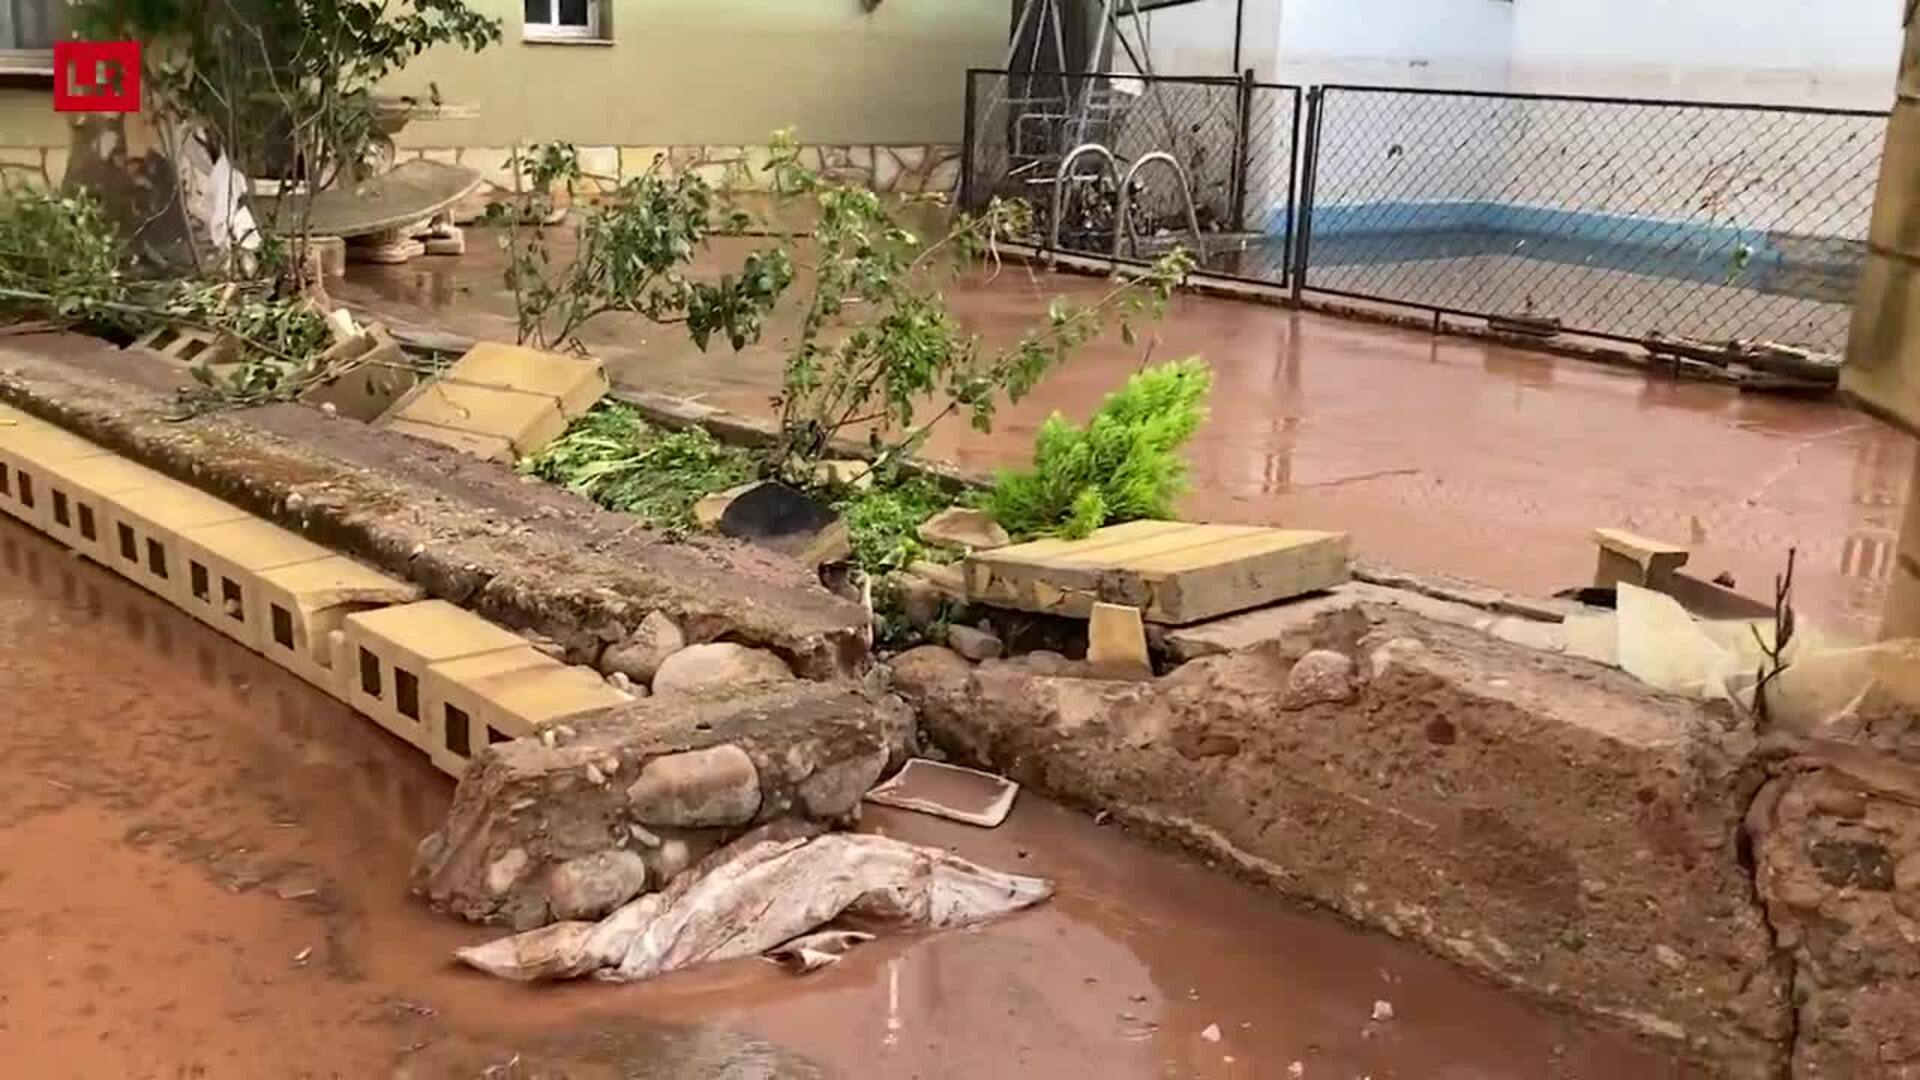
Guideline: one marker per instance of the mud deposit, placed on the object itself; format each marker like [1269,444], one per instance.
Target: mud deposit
[204,876]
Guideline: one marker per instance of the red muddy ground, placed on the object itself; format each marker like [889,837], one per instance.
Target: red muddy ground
[204,876]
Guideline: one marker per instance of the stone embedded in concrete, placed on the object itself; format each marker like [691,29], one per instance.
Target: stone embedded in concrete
[963,528]
[700,789]
[542,800]
[222,565]
[1836,842]
[930,665]
[1175,573]
[639,656]
[574,383]
[1322,677]
[590,887]
[299,606]
[526,421]
[1117,640]
[718,668]
[391,649]
[974,644]
[950,580]
[918,600]
[1537,819]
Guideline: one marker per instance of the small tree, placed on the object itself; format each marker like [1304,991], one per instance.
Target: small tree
[286,89]
[631,252]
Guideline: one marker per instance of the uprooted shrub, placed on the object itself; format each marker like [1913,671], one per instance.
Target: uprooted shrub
[62,261]
[618,460]
[1125,465]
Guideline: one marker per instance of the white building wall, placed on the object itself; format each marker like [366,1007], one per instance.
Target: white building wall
[1836,53]
[1453,44]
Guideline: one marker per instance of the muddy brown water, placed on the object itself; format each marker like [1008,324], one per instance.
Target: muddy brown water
[1438,454]
[203,874]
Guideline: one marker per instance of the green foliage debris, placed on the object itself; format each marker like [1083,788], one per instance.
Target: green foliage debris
[1125,465]
[614,457]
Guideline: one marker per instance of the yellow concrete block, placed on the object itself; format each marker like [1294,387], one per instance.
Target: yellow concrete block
[27,447]
[299,606]
[527,421]
[143,534]
[223,564]
[391,649]
[461,720]
[573,382]
[481,700]
[77,496]
[1175,573]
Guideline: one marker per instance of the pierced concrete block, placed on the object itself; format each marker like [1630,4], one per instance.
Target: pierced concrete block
[477,701]
[27,447]
[574,383]
[77,496]
[526,421]
[222,567]
[390,650]
[143,534]
[298,608]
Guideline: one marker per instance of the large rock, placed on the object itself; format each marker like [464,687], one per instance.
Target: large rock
[963,528]
[591,886]
[1547,823]
[697,790]
[721,667]
[639,657]
[525,809]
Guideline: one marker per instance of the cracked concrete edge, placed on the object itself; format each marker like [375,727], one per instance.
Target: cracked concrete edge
[529,556]
[1060,766]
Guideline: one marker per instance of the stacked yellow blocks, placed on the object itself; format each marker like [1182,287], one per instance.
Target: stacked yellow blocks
[500,402]
[443,679]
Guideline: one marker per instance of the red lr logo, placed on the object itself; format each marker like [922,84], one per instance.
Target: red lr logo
[96,76]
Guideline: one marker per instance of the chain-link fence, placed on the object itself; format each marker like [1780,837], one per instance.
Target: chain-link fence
[1232,142]
[1615,218]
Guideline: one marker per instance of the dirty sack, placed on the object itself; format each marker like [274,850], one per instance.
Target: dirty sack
[758,894]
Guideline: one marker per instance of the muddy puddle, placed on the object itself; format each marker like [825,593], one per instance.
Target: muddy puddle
[204,875]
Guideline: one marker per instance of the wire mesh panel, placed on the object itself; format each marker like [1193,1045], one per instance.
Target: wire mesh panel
[1617,218]
[1230,141]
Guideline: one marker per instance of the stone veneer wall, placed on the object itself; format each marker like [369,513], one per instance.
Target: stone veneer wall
[889,169]
[892,169]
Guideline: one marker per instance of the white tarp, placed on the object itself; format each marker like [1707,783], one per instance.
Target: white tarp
[761,893]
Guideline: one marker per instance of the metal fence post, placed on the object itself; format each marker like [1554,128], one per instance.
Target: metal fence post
[1244,156]
[1303,240]
[967,150]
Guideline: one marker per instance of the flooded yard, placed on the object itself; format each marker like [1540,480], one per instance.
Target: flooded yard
[206,877]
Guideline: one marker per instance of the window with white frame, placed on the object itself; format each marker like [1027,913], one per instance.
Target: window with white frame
[28,29]
[565,20]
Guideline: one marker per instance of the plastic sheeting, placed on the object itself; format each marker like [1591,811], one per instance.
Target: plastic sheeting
[760,893]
